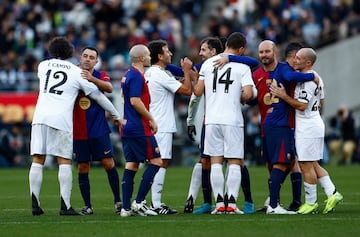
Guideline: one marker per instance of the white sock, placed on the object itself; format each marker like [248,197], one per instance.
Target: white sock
[310,193]
[217,180]
[65,181]
[233,181]
[35,180]
[328,186]
[195,182]
[157,187]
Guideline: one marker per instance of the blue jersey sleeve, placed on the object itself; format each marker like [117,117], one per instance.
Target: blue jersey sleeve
[178,72]
[293,76]
[251,62]
[175,70]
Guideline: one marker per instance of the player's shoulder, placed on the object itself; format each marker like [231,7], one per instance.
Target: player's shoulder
[104,75]
[259,72]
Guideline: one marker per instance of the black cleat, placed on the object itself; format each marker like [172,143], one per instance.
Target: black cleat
[262,209]
[36,209]
[164,210]
[64,211]
[69,212]
[189,205]
[294,206]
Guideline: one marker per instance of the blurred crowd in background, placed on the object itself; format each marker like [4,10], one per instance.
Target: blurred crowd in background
[114,26]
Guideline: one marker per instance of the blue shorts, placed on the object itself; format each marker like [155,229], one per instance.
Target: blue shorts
[139,149]
[279,145]
[202,139]
[93,149]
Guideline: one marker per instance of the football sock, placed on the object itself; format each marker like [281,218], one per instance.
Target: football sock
[277,176]
[217,180]
[84,186]
[310,193]
[65,181]
[195,181]
[206,186]
[233,181]
[127,186]
[296,184]
[157,187]
[35,180]
[146,182]
[245,183]
[328,186]
[113,178]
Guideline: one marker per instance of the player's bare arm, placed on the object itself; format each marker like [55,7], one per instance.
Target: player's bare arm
[186,87]
[104,86]
[281,93]
[246,94]
[139,106]
[220,62]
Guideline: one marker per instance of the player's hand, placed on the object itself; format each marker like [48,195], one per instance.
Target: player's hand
[219,63]
[316,79]
[194,75]
[191,132]
[278,91]
[86,74]
[153,126]
[186,64]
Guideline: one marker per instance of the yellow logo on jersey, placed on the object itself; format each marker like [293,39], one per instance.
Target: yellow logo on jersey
[84,103]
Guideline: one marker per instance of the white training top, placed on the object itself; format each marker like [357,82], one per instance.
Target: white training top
[223,91]
[308,123]
[162,86]
[60,82]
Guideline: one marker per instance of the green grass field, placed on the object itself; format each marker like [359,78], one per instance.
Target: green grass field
[16,219]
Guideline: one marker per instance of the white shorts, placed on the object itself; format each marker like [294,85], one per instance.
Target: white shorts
[164,140]
[224,140]
[309,149]
[46,140]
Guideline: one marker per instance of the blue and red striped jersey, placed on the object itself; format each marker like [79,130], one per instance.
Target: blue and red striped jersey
[89,118]
[133,84]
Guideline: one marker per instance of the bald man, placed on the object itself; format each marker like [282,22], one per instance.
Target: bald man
[309,134]
[277,119]
[137,132]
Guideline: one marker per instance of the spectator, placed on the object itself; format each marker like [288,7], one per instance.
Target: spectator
[12,146]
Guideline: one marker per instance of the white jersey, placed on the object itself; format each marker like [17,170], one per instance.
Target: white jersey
[223,91]
[162,86]
[308,123]
[60,82]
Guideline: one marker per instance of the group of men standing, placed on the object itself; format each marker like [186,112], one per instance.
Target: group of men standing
[226,82]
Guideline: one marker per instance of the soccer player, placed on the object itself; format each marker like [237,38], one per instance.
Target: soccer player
[163,86]
[224,136]
[91,133]
[52,125]
[277,120]
[209,47]
[295,176]
[137,133]
[309,134]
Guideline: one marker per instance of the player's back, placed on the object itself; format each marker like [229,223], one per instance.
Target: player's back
[59,84]
[223,91]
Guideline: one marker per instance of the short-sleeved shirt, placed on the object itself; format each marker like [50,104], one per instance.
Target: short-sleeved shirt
[309,123]
[60,82]
[163,86]
[223,91]
[133,84]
